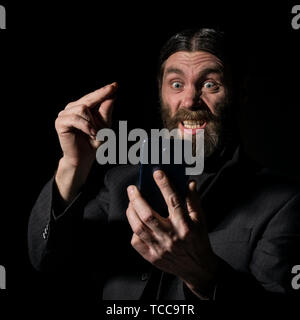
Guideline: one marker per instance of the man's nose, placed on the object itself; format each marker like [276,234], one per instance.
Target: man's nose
[191,97]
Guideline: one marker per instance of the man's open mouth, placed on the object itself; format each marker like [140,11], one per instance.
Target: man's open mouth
[190,126]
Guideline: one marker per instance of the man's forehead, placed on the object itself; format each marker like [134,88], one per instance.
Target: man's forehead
[195,59]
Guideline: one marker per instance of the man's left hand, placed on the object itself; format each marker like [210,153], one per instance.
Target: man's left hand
[178,244]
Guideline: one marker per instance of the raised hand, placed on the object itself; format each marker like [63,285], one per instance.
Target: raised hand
[178,244]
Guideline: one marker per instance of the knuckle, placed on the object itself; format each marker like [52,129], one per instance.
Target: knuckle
[169,246]
[82,108]
[134,241]
[139,229]
[172,243]
[73,118]
[185,232]
[88,101]
[174,200]
[148,217]
[69,105]
[154,222]
[61,113]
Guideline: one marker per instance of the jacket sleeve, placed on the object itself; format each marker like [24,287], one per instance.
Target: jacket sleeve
[270,269]
[278,250]
[59,239]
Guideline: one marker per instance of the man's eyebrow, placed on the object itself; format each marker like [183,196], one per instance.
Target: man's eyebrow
[207,71]
[173,70]
[202,73]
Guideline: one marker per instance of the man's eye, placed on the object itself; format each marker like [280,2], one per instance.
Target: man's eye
[209,85]
[176,85]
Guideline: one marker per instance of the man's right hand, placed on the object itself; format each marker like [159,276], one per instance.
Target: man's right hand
[78,123]
[77,126]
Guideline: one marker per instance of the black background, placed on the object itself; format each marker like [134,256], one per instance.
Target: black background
[52,54]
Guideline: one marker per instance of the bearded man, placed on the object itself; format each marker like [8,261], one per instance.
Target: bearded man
[236,236]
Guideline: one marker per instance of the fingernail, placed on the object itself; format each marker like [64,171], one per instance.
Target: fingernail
[130,189]
[93,132]
[114,85]
[158,174]
[193,185]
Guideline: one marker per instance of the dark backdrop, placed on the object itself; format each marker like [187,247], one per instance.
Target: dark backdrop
[53,54]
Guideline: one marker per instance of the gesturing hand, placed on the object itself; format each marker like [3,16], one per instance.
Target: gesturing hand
[78,123]
[178,244]
[77,126]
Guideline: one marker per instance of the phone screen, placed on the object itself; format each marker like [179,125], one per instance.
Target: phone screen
[175,172]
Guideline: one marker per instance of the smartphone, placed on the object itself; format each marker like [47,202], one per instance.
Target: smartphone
[174,171]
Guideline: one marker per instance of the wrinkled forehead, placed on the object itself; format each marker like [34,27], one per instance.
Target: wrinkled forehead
[196,60]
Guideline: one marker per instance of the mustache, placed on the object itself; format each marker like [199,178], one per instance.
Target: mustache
[184,114]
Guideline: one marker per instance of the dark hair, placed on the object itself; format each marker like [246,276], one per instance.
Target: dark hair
[203,39]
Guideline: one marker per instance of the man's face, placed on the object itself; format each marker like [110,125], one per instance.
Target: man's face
[193,95]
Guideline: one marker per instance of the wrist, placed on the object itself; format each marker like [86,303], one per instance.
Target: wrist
[70,178]
[203,284]
[202,292]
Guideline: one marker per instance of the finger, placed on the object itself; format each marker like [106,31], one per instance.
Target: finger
[140,246]
[86,113]
[146,214]
[92,119]
[105,111]
[80,110]
[83,111]
[96,97]
[138,227]
[67,123]
[193,202]
[176,210]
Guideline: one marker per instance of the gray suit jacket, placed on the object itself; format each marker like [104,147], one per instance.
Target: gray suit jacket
[253,221]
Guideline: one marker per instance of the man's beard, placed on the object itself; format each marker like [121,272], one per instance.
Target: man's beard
[218,127]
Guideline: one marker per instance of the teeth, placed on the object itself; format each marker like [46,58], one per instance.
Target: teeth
[190,124]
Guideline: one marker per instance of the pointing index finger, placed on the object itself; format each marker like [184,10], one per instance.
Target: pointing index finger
[176,210]
[99,95]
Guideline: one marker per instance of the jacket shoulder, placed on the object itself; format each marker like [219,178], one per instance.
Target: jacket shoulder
[274,182]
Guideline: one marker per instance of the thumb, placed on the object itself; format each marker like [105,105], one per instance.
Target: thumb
[193,202]
[105,111]
[106,107]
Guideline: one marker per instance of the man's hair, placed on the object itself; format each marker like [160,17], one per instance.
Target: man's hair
[203,39]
